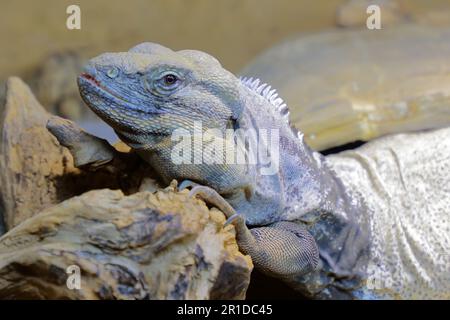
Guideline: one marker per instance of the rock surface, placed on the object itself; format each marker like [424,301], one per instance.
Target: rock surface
[349,85]
[143,246]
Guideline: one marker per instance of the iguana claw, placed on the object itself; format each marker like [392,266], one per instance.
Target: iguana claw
[212,197]
[187,184]
[233,218]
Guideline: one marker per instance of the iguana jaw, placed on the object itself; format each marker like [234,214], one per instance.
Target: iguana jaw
[110,106]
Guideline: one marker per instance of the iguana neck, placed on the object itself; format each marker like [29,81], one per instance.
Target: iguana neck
[303,180]
[312,193]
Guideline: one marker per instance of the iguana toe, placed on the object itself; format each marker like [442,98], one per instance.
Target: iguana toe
[211,197]
[186,184]
[235,219]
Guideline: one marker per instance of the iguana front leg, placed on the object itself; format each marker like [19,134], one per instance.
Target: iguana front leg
[282,249]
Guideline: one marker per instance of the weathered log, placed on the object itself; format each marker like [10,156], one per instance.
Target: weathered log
[29,156]
[143,246]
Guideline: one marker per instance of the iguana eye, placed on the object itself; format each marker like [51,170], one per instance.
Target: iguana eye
[164,83]
[167,83]
[170,79]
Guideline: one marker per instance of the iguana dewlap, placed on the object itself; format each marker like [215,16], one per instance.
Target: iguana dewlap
[330,227]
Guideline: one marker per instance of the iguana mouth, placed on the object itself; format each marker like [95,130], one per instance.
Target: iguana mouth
[93,81]
[87,76]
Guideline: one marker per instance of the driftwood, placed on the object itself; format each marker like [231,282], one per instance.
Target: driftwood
[137,241]
[143,246]
[36,171]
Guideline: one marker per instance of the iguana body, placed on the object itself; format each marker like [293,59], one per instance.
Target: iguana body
[307,226]
[405,182]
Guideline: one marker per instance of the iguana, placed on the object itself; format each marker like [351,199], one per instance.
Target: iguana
[309,222]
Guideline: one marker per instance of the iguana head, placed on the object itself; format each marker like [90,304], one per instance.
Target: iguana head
[152,90]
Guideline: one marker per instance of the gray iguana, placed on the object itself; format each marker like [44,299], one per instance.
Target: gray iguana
[328,226]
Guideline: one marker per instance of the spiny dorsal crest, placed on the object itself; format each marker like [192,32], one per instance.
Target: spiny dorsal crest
[271,95]
[268,93]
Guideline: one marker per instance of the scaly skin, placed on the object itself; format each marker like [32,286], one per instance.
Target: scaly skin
[304,225]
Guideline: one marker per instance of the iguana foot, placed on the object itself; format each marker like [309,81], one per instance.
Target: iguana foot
[282,249]
[212,197]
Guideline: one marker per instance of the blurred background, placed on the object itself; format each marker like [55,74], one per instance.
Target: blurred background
[37,46]
[234,31]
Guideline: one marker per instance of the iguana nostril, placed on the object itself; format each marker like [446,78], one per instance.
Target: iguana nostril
[112,72]
[90,70]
